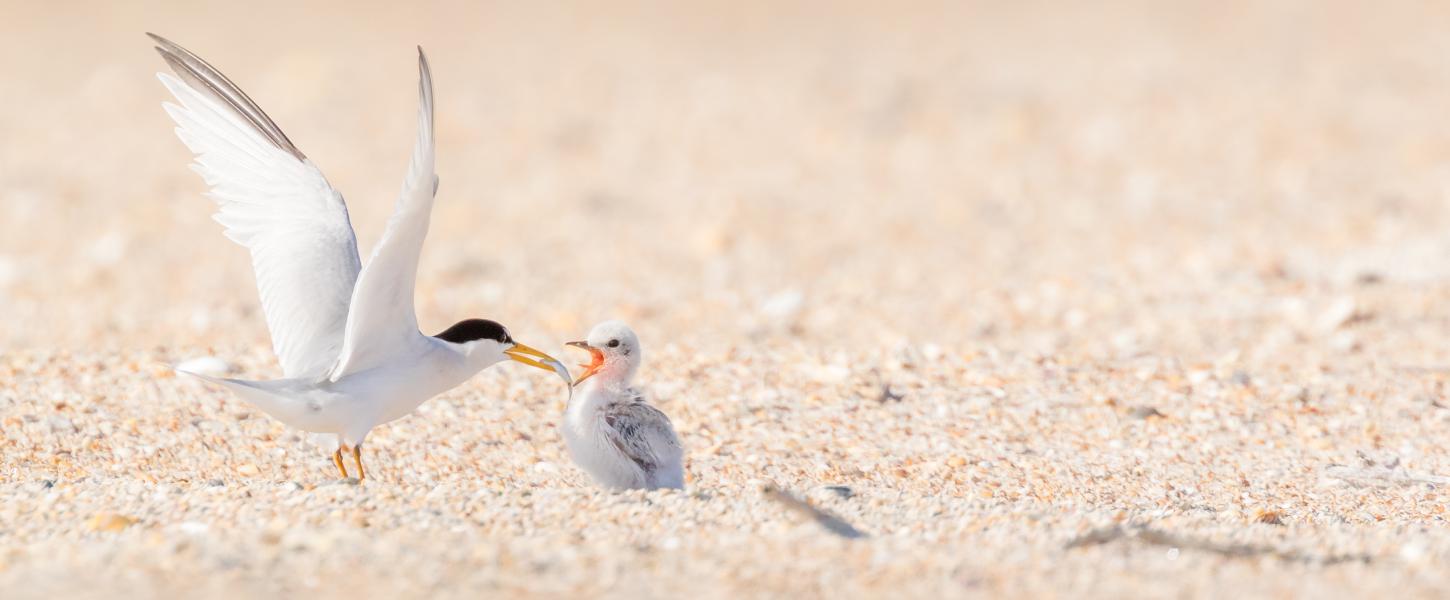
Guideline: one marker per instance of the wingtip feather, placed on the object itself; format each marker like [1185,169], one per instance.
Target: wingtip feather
[199,75]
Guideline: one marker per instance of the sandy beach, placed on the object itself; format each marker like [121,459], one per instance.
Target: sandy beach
[1093,301]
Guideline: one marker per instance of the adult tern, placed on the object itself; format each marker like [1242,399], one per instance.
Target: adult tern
[611,431]
[346,336]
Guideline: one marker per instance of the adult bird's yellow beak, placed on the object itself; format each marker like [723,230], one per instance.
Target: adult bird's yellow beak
[538,360]
[596,361]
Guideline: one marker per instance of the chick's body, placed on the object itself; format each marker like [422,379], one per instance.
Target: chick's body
[611,430]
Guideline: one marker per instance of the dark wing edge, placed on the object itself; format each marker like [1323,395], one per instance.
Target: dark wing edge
[204,78]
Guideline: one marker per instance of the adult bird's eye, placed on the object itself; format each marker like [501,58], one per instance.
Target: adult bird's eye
[613,343]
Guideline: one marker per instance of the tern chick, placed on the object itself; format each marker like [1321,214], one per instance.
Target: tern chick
[611,431]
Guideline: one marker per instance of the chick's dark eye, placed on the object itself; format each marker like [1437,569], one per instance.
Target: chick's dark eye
[613,343]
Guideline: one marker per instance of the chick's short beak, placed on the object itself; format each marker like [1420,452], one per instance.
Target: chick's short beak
[538,360]
[596,360]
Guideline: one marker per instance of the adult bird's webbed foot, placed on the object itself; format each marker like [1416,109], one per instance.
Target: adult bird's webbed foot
[357,458]
[337,460]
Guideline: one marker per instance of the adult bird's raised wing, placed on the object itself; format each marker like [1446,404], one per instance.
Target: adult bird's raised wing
[381,322]
[275,202]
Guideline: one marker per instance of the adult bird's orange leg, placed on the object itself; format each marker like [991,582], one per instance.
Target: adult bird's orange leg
[357,457]
[337,460]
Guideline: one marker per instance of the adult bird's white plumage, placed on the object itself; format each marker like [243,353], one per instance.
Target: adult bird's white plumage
[346,336]
[611,431]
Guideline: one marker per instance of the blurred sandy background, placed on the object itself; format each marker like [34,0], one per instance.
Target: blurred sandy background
[1176,264]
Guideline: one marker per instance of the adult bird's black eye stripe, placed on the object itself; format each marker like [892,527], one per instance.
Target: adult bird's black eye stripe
[475,329]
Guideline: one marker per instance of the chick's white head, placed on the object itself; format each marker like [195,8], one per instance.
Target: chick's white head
[614,353]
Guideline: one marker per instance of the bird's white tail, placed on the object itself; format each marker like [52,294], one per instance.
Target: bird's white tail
[271,397]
